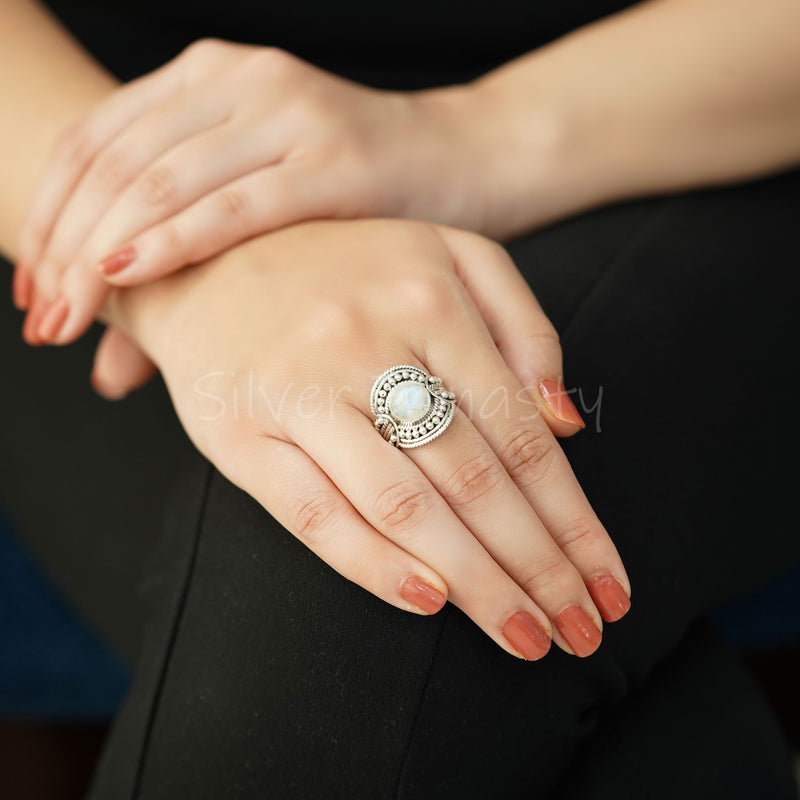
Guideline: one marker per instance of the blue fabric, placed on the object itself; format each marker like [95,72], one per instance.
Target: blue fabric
[767,619]
[51,664]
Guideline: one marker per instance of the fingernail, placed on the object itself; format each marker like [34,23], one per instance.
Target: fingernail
[422,595]
[526,636]
[22,286]
[577,627]
[53,319]
[30,326]
[117,261]
[557,399]
[609,597]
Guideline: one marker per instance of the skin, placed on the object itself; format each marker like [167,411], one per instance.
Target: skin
[492,504]
[726,109]
[282,141]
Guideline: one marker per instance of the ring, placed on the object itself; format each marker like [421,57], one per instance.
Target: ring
[410,407]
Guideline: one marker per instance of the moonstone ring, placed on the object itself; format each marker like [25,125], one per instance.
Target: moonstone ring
[410,407]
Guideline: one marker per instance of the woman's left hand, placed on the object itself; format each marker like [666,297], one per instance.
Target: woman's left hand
[225,142]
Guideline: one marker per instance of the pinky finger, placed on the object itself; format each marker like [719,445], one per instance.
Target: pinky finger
[257,203]
[295,490]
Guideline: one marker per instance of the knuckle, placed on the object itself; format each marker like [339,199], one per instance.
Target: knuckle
[312,516]
[33,236]
[203,48]
[529,454]
[403,505]
[52,268]
[272,59]
[203,59]
[580,534]
[168,238]
[111,170]
[548,572]
[427,297]
[547,333]
[75,144]
[48,279]
[236,207]
[476,478]
[158,186]
[337,322]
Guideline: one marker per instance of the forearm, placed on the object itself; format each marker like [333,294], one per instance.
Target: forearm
[46,82]
[671,94]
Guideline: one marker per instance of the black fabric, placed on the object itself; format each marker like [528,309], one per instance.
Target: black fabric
[410,44]
[263,673]
[260,672]
[85,480]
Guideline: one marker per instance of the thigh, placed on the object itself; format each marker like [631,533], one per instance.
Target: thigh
[269,674]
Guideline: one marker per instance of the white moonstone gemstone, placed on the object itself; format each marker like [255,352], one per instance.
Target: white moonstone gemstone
[409,401]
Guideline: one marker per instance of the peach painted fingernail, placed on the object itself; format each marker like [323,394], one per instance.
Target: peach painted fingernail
[422,595]
[30,326]
[53,319]
[577,627]
[559,403]
[22,286]
[117,261]
[526,636]
[609,597]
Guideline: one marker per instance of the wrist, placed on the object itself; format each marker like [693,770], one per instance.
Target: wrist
[509,155]
[522,144]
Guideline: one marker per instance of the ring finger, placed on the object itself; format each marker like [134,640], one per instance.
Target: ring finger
[394,496]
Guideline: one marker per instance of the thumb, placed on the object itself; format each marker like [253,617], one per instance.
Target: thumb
[521,331]
[119,366]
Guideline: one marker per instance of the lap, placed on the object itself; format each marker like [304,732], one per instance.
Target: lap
[266,671]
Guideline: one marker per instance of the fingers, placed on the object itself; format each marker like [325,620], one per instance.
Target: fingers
[522,333]
[30,325]
[396,498]
[77,149]
[173,182]
[505,416]
[62,272]
[259,202]
[120,366]
[114,167]
[474,482]
[288,483]
[63,320]
[264,200]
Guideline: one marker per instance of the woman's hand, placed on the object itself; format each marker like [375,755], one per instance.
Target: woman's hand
[270,352]
[226,142]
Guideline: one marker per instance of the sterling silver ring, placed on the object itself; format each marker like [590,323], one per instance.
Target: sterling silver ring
[410,407]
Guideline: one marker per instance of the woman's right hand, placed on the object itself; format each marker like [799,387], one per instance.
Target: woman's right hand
[270,352]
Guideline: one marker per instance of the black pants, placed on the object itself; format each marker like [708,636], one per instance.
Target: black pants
[262,673]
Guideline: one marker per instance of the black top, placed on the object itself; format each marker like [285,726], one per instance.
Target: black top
[411,44]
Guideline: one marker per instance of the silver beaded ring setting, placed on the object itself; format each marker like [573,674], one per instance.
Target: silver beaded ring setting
[410,407]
